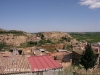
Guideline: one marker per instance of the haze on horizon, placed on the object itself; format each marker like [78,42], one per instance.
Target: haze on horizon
[50,15]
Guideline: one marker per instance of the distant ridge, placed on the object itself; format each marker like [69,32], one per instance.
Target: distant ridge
[12,30]
[2,29]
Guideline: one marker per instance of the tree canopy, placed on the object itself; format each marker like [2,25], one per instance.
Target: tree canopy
[2,45]
[88,59]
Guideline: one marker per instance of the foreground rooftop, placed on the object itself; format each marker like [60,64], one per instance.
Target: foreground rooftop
[25,64]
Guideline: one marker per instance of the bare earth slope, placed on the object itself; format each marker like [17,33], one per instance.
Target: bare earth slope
[15,38]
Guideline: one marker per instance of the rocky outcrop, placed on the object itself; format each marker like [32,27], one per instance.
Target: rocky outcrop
[55,35]
[10,39]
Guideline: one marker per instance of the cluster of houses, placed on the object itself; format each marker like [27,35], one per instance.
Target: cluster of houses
[38,61]
[80,47]
[32,60]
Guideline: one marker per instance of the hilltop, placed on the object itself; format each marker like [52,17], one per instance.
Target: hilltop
[2,29]
[54,35]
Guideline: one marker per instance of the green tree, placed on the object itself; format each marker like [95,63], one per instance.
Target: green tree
[2,45]
[42,37]
[48,41]
[88,59]
[41,42]
[32,43]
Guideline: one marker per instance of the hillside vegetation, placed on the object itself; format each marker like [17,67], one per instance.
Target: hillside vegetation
[17,33]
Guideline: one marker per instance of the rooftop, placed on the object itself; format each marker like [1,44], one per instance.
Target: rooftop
[96,44]
[14,64]
[25,64]
[42,63]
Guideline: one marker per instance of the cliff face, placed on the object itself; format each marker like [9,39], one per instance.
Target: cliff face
[13,37]
[10,39]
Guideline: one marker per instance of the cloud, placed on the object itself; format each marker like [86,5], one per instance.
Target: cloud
[93,4]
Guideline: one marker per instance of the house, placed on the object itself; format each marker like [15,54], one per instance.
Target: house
[76,56]
[62,56]
[96,46]
[61,50]
[42,50]
[38,51]
[12,65]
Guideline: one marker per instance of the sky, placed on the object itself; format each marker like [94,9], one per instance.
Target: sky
[50,15]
